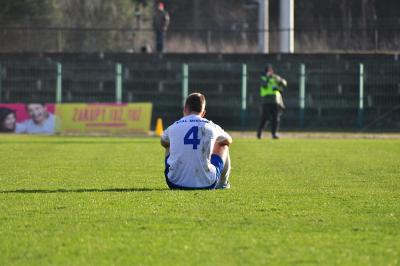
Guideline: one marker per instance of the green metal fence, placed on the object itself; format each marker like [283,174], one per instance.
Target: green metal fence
[27,81]
[328,95]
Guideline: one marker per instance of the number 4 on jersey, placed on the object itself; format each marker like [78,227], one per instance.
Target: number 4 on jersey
[187,140]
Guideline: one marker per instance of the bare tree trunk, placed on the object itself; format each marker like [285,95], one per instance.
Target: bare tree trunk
[364,23]
[346,23]
[196,18]
[368,19]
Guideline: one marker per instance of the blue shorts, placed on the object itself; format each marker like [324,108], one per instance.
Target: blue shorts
[215,160]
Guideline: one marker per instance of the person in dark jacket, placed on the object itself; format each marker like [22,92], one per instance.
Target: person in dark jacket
[160,25]
[271,89]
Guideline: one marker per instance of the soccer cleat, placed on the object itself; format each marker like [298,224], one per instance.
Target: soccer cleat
[275,136]
[227,185]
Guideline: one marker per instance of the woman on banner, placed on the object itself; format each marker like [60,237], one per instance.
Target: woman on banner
[7,120]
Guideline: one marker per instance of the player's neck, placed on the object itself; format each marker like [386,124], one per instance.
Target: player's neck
[192,113]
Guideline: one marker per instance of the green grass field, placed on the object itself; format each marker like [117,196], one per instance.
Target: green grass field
[103,201]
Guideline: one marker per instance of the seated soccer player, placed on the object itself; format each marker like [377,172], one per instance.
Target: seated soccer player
[197,152]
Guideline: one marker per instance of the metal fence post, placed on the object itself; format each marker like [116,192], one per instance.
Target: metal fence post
[59,84]
[185,83]
[59,41]
[302,94]
[209,41]
[244,96]
[118,83]
[361,97]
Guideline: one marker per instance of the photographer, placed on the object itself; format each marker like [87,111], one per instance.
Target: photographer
[272,103]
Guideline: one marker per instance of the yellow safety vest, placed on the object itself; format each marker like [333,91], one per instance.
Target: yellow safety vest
[270,88]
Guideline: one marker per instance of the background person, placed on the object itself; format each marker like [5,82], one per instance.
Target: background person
[160,25]
[7,120]
[41,122]
[197,154]
[272,102]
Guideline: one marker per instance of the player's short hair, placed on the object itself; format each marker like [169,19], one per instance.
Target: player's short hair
[196,102]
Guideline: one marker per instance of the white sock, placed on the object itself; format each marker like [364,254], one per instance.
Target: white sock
[226,171]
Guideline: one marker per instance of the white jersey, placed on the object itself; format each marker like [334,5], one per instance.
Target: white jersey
[192,139]
[30,127]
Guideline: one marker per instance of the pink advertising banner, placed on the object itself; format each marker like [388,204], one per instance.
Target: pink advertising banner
[75,118]
[32,118]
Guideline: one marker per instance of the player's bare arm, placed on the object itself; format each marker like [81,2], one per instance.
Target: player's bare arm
[224,140]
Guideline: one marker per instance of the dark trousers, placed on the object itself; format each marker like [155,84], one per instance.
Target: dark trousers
[271,112]
[160,35]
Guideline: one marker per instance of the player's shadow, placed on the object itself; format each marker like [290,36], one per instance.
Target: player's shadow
[82,190]
[25,142]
